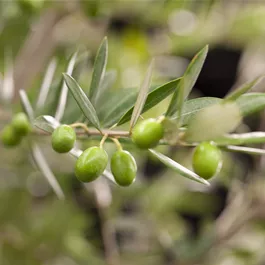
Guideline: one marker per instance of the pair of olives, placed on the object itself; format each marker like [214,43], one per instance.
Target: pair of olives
[93,161]
[13,133]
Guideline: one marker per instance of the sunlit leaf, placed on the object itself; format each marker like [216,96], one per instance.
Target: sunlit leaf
[243,89]
[170,131]
[154,97]
[82,100]
[99,70]
[213,122]
[138,107]
[186,84]
[183,171]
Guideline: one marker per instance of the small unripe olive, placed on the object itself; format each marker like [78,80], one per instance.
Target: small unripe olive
[9,137]
[20,123]
[91,164]
[63,139]
[207,160]
[123,167]
[147,133]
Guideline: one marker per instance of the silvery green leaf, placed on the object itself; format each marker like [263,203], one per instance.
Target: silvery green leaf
[243,89]
[245,150]
[82,100]
[186,84]
[251,102]
[191,107]
[63,96]
[241,139]
[138,107]
[99,71]
[171,131]
[43,166]
[26,104]
[46,123]
[46,84]
[183,171]
[212,122]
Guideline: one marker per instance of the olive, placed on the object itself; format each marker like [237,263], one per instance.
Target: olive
[123,167]
[91,164]
[21,124]
[63,139]
[207,160]
[147,133]
[9,137]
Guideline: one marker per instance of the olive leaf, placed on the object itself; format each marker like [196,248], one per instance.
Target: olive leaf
[64,91]
[142,96]
[212,122]
[186,84]
[99,71]
[46,84]
[240,139]
[243,149]
[46,123]
[43,166]
[191,107]
[26,105]
[154,97]
[251,103]
[183,171]
[82,100]
[243,89]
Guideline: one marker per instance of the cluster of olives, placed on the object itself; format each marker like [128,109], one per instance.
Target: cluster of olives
[206,161]
[93,161]
[13,133]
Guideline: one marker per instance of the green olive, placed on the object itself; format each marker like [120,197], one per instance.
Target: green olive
[207,160]
[123,167]
[20,123]
[91,164]
[9,137]
[63,139]
[147,133]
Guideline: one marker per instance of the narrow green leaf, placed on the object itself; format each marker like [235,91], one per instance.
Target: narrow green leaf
[46,123]
[154,97]
[186,84]
[99,70]
[138,107]
[183,171]
[240,139]
[245,150]
[243,89]
[26,105]
[44,168]
[82,100]
[213,121]
[191,107]
[251,103]
[64,91]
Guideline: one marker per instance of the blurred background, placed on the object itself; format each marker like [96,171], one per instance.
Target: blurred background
[162,218]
